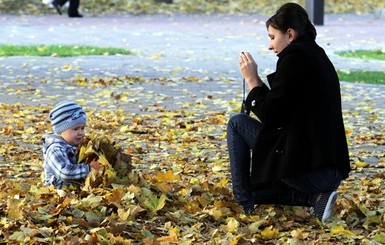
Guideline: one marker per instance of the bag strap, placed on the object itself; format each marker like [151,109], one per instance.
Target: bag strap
[244,108]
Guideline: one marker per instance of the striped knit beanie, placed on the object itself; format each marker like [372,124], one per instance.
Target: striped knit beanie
[65,115]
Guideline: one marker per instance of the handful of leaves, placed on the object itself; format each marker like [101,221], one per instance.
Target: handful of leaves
[116,165]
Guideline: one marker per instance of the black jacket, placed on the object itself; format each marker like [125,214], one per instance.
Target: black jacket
[301,115]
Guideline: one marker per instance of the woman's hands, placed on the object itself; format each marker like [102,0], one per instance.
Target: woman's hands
[249,70]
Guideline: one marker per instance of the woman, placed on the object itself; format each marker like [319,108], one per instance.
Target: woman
[298,144]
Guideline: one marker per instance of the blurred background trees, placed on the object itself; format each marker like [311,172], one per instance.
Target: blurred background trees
[263,7]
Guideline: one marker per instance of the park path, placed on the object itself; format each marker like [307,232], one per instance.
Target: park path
[168,46]
[171,46]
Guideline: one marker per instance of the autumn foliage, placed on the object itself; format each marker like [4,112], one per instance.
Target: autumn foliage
[166,180]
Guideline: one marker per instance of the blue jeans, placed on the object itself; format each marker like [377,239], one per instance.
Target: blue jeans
[242,134]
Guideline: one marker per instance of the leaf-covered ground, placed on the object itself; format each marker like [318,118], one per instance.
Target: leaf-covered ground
[180,189]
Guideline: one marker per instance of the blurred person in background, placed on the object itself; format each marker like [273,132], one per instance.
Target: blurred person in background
[73,9]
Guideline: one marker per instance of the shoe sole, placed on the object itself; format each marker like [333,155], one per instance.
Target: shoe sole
[329,206]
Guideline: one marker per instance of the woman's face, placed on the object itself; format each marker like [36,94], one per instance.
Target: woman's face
[278,39]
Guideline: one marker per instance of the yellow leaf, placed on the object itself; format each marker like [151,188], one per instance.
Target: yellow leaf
[184,192]
[91,201]
[110,173]
[134,189]
[164,187]
[254,227]
[216,213]
[222,183]
[115,196]
[236,239]
[204,200]
[171,238]
[123,214]
[67,67]
[194,180]
[168,176]
[14,209]
[156,56]
[217,168]
[192,79]
[377,181]
[360,164]
[192,207]
[232,224]
[124,129]
[380,238]
[82,154]
[4,223]
[340,230]
[154,204]
[29,130]
[298,233]
[92,179]
[103,160]
[269,233]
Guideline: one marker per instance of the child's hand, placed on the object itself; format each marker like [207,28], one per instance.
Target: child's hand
[95,164]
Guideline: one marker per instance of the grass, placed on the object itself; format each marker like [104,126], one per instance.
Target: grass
[360,76]
[372,77]
[364,54]
[59,50]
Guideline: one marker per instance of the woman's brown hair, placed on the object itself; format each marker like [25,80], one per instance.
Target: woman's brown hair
[292,15]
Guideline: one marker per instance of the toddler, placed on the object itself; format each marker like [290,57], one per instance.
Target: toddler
[60,164]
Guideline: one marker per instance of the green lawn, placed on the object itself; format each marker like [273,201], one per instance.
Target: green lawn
[59,50]
[372,77]
[364,54]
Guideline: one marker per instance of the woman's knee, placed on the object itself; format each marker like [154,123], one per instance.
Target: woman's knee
[238,118]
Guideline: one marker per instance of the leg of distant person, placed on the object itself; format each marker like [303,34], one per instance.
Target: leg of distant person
[57,4]
[73,9]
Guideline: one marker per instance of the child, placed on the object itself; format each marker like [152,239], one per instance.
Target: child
[60,164]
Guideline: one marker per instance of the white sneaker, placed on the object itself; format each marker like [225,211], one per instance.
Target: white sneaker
[323,208]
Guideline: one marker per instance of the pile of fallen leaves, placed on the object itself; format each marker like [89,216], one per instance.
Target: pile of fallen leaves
[115,164]
[177,187]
